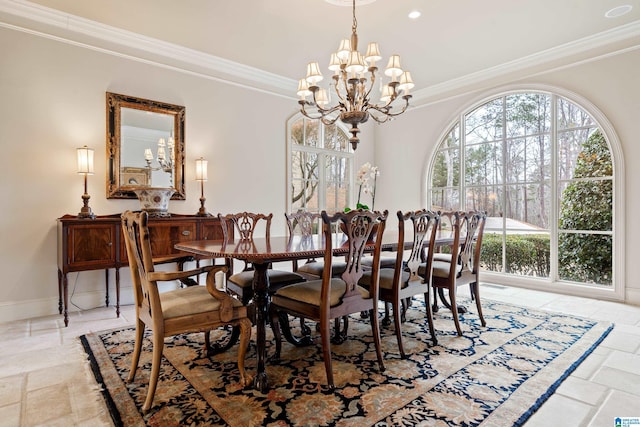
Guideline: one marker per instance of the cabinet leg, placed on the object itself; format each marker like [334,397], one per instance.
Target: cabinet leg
[59,291]
[65,293]
[106,285]
[117,292]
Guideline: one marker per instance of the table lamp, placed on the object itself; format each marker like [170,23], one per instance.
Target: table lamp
[201,175]
[85,167]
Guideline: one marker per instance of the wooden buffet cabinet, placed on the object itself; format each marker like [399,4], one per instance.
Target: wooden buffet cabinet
[98,244]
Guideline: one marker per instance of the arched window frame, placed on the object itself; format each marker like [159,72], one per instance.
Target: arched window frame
[323,154]
[617,290]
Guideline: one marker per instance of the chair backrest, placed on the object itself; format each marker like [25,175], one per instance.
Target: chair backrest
[423,230]
[137,242]
[473,228]
[304,224]
[358,226]
[246,223]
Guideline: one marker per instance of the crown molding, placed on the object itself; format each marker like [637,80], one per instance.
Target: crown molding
[597,46]
[50,23]
[60,26]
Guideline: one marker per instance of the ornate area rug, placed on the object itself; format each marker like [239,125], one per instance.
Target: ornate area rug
[492,376]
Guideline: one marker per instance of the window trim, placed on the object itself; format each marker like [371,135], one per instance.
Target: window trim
[618,288]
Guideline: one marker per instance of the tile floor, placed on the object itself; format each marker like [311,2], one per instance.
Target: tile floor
[46,381]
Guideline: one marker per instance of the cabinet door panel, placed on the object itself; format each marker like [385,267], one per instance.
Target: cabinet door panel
[91,244]
[164,236]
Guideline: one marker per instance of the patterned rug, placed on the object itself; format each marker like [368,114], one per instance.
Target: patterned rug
[493,376]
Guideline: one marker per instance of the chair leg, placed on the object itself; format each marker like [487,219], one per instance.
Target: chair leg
[137,347]
[475,290]
[386,321]
[454,309]
[158,345]
[397,319]
[245,335]
[277,335]
[375,329]
[435,299]
[325,337]
[432,329]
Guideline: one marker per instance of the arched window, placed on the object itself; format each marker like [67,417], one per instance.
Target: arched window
[320,163]
[543,168]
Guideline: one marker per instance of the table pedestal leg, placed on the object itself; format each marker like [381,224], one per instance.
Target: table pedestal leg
[261,302]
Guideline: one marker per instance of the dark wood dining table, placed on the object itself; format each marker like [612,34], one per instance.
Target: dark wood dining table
[261,253]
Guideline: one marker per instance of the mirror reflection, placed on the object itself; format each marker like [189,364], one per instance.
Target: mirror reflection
[145,146]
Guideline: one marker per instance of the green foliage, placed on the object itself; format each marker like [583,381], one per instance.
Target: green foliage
[526,254]
[587,205]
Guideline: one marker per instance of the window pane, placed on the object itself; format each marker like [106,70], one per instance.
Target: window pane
[528,114]
[312,133]
[337,177]
[335,138]
[445,199]
[585,258]
[485,198]
[586,205]
[485,123]
[571,116]
[528,205]
[446,169]
[527,254]
[483,164]
[296,133]
[491,252]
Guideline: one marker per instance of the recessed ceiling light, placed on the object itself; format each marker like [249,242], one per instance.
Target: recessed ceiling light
[618,11]
[414,14]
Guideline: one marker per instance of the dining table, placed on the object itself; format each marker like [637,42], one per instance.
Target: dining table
[261,253]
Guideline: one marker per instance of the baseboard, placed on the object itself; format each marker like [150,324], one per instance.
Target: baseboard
[26,309]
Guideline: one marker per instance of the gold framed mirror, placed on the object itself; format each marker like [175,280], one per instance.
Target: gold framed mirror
[145,146]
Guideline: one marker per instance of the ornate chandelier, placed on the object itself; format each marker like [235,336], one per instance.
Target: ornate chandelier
[353,87]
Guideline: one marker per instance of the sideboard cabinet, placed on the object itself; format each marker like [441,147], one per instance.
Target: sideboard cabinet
[98,244]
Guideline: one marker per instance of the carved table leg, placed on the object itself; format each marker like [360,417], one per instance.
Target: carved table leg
[261,300]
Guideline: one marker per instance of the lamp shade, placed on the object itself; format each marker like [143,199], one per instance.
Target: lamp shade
[406,82]
[393,66]
[85,160]
[313,73]
[201,169]
[344,50]
[373,53]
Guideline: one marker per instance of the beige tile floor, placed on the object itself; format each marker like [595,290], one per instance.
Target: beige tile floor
[46,381]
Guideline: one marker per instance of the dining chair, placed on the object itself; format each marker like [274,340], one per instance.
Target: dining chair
[306,224]
[329,298]
[247,224]
[462,265]
[183,310]
[406,278]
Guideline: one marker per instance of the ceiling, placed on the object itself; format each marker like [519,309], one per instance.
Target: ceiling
[452,40]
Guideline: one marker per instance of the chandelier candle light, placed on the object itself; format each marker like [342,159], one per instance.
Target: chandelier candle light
[353,86]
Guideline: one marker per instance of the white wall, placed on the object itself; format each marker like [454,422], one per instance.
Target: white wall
[53,100]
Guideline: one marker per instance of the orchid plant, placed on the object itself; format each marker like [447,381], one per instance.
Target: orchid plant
[366,180]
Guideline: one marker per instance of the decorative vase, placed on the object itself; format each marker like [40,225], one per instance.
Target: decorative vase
[155,200]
